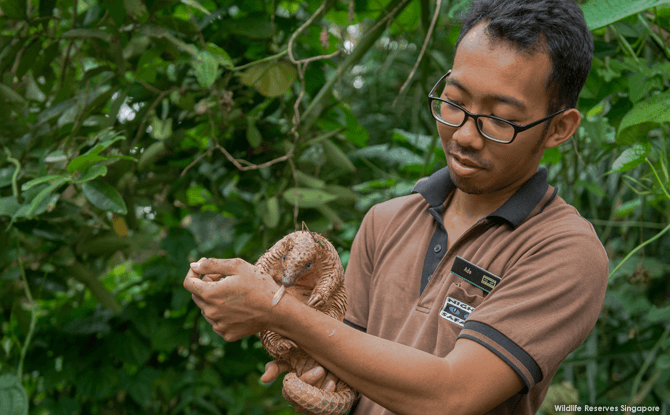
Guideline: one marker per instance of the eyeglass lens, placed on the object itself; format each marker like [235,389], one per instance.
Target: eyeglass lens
[455,117]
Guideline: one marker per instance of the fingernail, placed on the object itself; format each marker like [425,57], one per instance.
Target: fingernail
[330,385]
[317,371]
[195,265]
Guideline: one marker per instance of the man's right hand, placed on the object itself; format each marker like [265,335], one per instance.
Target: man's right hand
[317,376]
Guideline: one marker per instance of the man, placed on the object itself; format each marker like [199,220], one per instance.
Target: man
[465,296]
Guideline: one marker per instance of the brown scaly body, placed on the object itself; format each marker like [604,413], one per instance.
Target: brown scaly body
[309,268]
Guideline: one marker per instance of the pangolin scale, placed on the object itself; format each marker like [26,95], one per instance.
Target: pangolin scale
[309,268]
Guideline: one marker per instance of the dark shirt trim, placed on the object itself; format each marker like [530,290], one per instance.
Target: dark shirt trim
[511,347]
[356,326]
[515,210]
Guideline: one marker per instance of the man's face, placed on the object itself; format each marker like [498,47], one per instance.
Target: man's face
[495,79]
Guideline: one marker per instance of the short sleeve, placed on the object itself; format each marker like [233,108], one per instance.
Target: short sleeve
[547,303]
[358,275]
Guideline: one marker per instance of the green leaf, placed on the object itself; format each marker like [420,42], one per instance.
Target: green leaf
[659,314]
[8,94]
[271,213]
[206,68]
[652,110]
[39,203]
[600,13]
[254,136]
[631,158]
[88,33]
[55,156]
[194,3]
[91,173]
[310,181]
[161,129]
[83,162]
[104,196]
[307,198]
[220,55]
[337,156]
[13,397]
[8,206]
[39,180]
[271,80]
[627,208]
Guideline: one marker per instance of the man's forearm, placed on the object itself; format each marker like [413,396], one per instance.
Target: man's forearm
[398,377]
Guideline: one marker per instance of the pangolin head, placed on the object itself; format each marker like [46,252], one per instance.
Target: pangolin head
[301,257]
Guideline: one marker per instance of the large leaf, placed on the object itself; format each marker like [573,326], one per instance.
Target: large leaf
[307,198]
[631,158]
[599,13]
[271,80]
[652,110]
[13,398]
[206,67]
[221,55]
[104,196]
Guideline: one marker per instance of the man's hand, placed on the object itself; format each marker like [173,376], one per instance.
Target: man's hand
[317,377]
[236,306]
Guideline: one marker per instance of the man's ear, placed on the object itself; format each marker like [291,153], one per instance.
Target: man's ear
[562,128]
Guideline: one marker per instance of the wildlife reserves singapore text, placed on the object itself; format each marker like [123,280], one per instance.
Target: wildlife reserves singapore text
[606,409]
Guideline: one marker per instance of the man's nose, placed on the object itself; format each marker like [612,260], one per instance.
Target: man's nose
[467,135]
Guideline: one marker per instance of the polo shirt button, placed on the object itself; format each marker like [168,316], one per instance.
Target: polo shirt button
[437,248]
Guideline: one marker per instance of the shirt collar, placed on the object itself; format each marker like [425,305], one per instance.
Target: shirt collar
[436,188]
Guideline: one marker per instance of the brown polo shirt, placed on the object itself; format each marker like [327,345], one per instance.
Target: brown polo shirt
[527,281]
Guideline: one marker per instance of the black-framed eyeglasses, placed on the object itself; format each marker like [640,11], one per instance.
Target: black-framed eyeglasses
[494,128]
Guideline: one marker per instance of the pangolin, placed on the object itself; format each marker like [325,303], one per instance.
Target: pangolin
[307,266]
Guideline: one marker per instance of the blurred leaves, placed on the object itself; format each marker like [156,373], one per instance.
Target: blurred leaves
[139,136]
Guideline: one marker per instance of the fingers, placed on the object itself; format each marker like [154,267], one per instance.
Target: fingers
[222,266]
[212,277]
[317,376]
[330,382]
[272,370]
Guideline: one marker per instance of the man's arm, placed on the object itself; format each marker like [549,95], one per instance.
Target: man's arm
[470,380]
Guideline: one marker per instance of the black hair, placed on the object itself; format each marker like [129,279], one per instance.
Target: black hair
[553,26]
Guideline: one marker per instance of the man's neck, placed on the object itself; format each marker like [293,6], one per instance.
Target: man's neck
[471,208]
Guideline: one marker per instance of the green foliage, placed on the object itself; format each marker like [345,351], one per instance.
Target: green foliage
[138,136]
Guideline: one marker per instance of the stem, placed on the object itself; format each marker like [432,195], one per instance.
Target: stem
[33,316]
[647,363]
[269,58]
[625,44]
[316,107]
[657,178]
[642,245]
[423,50]
[15,176]
[659,41]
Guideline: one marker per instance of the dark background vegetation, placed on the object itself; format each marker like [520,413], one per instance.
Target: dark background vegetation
[139,135]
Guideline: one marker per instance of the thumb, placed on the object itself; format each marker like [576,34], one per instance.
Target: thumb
[273,369]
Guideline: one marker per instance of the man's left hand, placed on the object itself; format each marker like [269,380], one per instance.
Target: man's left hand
[236,306]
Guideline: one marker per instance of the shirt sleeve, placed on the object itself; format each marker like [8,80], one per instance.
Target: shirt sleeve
[358,275]
[547,303]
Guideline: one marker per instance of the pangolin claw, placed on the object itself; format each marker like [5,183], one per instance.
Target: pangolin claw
[315,300]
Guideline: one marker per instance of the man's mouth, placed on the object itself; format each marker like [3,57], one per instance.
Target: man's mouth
[465,162]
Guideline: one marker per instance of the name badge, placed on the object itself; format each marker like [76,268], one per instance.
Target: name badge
[475,275]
